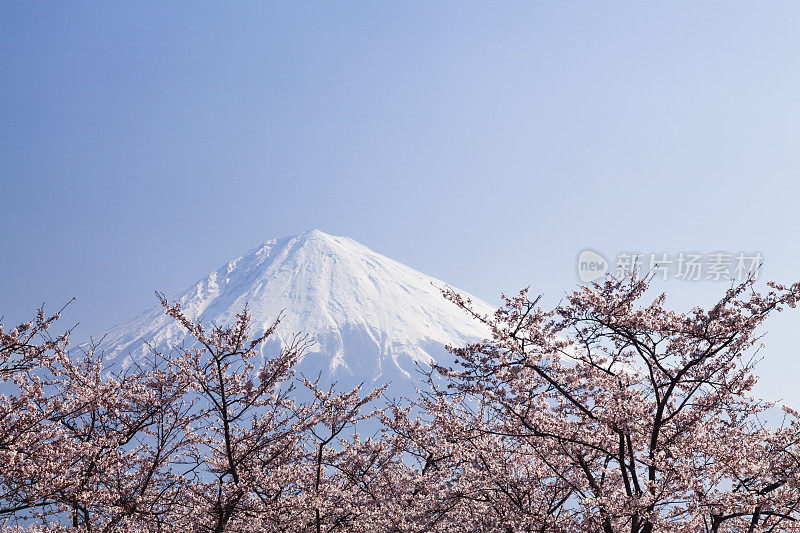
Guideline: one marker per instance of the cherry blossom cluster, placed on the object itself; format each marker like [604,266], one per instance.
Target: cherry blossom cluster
[610,412]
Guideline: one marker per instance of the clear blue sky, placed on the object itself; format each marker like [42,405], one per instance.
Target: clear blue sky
[144,144]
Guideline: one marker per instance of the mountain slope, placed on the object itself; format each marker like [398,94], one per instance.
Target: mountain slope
[371,317]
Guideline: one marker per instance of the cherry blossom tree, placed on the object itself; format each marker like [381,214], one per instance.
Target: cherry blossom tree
[261,460]
[203,439]
[82,445]
[24,412]
[609,414]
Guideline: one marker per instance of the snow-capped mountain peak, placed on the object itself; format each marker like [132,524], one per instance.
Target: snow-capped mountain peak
[370,316]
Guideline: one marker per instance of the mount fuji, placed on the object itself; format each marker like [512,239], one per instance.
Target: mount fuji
[372,319]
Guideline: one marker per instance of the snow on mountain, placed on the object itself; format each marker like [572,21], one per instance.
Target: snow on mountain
[372,318]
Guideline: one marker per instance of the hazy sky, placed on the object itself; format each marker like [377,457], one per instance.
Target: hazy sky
[142,145]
